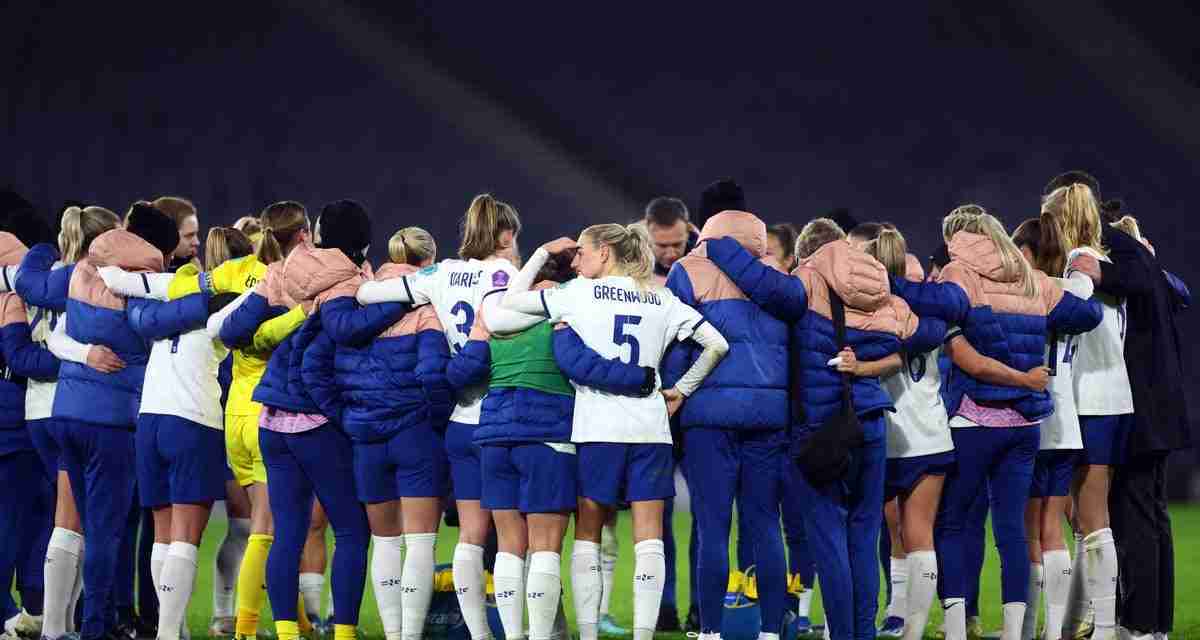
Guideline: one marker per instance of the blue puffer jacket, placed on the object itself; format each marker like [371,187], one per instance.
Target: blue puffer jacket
[749,388]
[326,279]
[977,294]
[518,414]
[394,381]
[876,322]
[127,327]
[13,436]
[41,285]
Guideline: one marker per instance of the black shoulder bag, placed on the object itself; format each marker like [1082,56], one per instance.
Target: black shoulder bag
[825,456]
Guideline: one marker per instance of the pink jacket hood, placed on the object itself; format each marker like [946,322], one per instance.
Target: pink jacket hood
[980,255]
[319,274]
[11,249]
[121,248]
[746,228]
[392,270]
[857,278]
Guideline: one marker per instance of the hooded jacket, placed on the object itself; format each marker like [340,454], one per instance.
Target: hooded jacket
[311,279]
[95,315]
[390,383]
[986,300]
[749,388]
[876,321]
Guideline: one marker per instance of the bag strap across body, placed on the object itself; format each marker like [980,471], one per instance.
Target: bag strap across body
[838,309]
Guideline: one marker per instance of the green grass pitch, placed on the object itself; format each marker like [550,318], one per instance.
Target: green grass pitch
[1186,520]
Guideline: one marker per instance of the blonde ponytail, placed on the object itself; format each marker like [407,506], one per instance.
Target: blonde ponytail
[482,225]
[1075,214]
[281,222]
[80,226]
[632,253]
[890,249]
[1129,224]
[413,246]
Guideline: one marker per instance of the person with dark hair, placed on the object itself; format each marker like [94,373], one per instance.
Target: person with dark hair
[781,245]
[723,195]
[671,233]
[1139,519]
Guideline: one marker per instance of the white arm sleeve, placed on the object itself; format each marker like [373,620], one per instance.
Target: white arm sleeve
[8,277]
[1079,284]
[393,290]
[137,285]
[64,347]
[519,297]
[217,319]
[500,320]
[715,348]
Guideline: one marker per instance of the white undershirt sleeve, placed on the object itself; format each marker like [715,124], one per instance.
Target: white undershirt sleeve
[137,285]
[715,348]
[64,347]
[503,321]
[217,319]
[519,297]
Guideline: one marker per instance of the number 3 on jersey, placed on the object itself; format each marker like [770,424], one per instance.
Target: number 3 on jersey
[468,315]
[622,337]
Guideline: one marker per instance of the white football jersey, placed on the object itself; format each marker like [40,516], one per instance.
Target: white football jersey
[617,319]
[181,379]
[456,288]
[920,426]
[39,394]
[1098,367]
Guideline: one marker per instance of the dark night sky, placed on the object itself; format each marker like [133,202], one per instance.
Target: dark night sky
[580,115]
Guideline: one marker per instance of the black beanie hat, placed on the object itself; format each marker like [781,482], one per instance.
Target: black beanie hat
[346,226]
[1074,177]
[722,195]
[153,226]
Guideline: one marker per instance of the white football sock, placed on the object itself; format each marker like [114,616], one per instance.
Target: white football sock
[61,570]
[542,593]
[312,586]
[922,588]
[608,572]
[898,607]
[1100,581]
[1057,586]
[649,571]
[417,582]
[1014,620]
[955,612]
[468,582]
[76,593]
[228,562]
[158,557]
[1077,603]
[509,579]
[1033,599]
[387,564]
[587,586]
[175,589]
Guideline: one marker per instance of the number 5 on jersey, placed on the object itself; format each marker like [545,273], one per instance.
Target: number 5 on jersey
[622,337]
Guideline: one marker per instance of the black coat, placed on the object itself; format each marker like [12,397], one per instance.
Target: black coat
[1152,344]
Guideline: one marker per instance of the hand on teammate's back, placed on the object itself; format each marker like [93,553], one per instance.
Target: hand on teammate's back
[674,400]
[102,359]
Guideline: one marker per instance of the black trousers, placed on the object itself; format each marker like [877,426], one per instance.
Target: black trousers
[1141,526]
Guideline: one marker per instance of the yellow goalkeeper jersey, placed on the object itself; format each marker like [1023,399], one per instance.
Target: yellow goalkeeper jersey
[235,276]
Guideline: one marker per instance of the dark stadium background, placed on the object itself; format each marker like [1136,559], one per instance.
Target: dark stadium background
[579,114]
